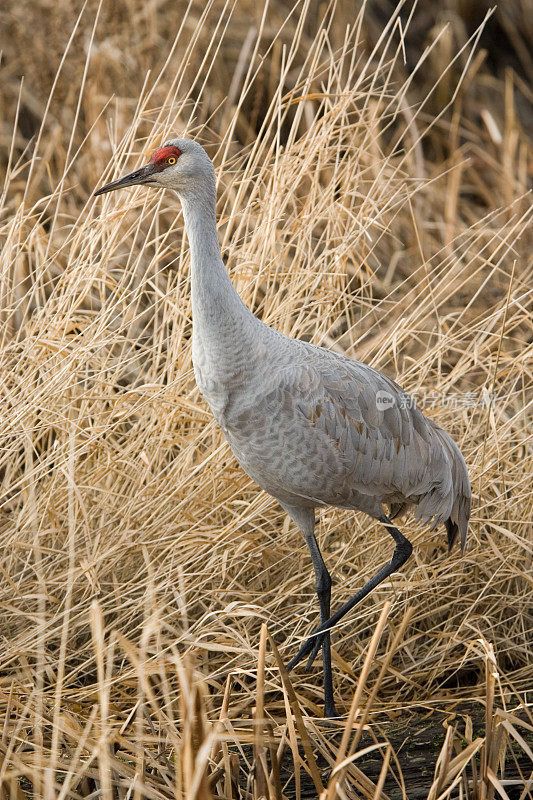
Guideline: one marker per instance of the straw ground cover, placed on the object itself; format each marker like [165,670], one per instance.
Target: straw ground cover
[372,198]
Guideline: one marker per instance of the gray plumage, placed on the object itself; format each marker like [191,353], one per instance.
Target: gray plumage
[304,422]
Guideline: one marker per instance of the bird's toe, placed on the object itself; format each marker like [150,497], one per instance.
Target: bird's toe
[304,650]
[317,642]
[309,648]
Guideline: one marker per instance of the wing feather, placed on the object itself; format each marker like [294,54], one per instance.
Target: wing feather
[384,451]
[316,431]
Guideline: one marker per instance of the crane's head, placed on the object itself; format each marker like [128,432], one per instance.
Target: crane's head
[180,164]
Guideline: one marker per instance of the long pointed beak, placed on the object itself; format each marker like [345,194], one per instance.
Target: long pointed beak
[139,176]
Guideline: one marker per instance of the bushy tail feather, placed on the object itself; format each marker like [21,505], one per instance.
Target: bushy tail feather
[452,530]
[450,503]
[457,522]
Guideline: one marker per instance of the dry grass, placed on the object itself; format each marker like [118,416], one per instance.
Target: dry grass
[147,586]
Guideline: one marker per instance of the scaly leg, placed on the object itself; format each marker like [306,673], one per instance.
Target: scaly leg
[401,553]
[323,590]
[304,517]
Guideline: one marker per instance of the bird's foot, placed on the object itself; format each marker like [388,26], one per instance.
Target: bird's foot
[309,647]
[314,652]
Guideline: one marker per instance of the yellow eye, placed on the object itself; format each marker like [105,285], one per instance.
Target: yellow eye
[171,160]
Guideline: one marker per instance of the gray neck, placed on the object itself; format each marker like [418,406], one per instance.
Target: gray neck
[213,294]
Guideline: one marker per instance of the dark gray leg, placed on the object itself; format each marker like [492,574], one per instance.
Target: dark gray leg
[304,517]
[401,553]
[323,590]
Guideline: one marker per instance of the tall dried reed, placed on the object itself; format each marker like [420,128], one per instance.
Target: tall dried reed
[150,592]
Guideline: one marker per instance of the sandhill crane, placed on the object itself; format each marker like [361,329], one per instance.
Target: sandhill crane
[312,427]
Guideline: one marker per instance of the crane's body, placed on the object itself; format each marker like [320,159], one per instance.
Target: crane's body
[310,426]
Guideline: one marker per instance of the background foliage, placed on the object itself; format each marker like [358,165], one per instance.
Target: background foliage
[373,171]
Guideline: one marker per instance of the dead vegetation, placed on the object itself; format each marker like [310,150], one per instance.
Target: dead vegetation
[373,197]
